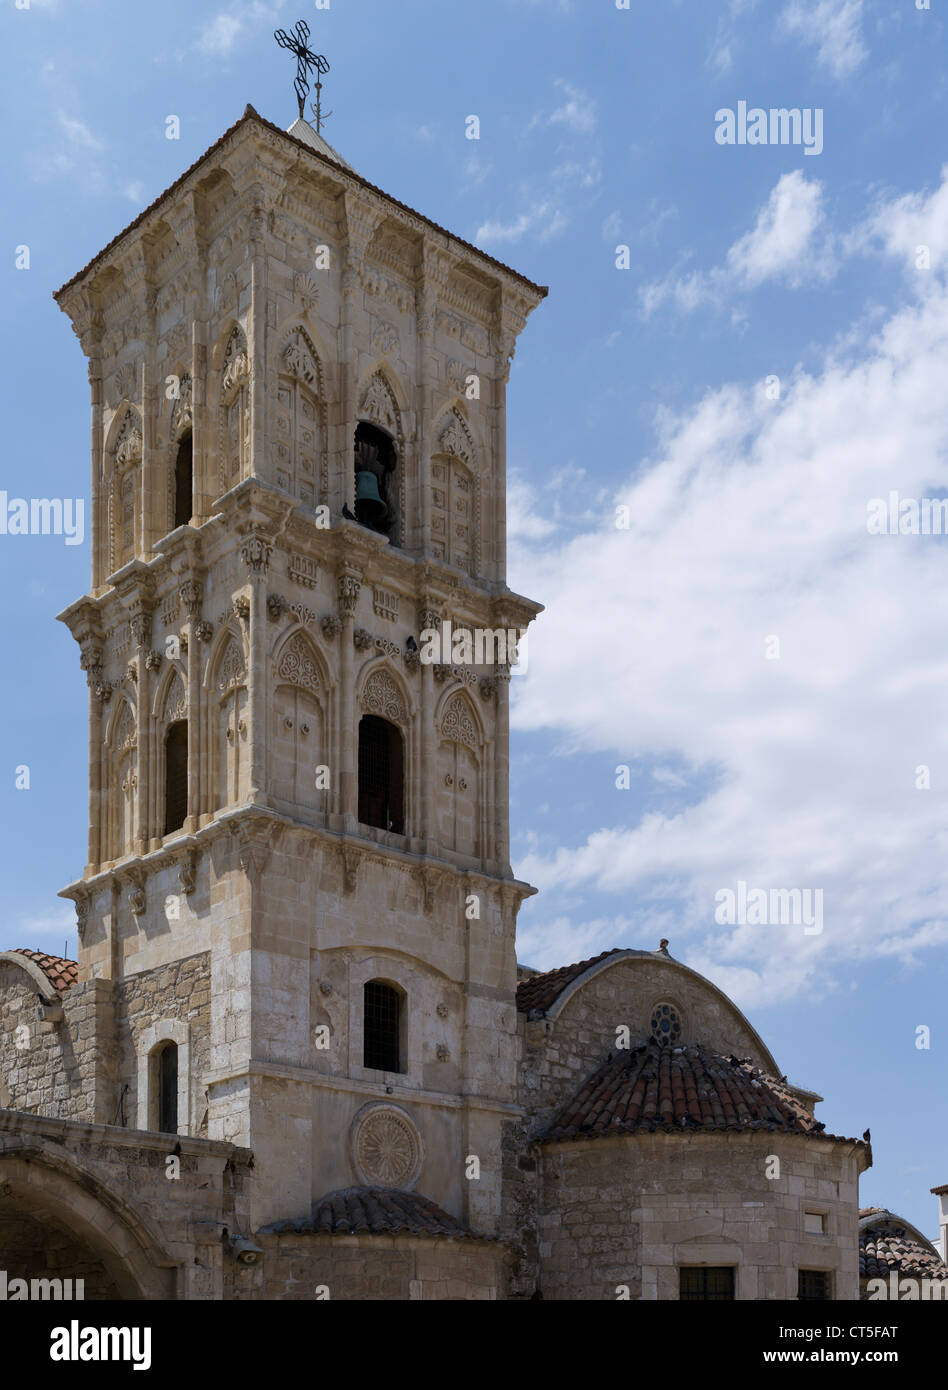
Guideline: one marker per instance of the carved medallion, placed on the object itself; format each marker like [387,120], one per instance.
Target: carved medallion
[386,1147]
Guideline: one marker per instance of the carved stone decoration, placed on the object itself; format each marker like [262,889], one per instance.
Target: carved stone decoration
[349,589]
[381,696]
[362,639]
[204,631]
[137,900]
[385,338]
[153,660]
[302,570]
[128,446]
[412,658]
[236,361]
[103,691]
[298,361]
[82,914]
[428,880]
[176,700]
[140,624]
[441,672]
[276,604]
[325,987]
[443,1052]
[242,607]
[306,289]
[487,687]
[386,1147]
[429,620]
[132,672]
[177,339]
[385,603]
[191,597]
[297,665]
[126,736]
[457,373]
[231,672]
[455,439]
[187,872]
[126,383]
[442,1010]
[255,553]
[331,625]
[351,858]
[457,724]
[182,412]
[378,404]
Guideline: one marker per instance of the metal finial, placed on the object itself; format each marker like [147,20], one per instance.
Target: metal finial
[306,61]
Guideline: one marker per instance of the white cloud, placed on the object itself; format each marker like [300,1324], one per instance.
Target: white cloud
[833,27]
[577,112]
[542,218]
[78,134]
[750,520]
[218,37]
[902,226]
[782,245]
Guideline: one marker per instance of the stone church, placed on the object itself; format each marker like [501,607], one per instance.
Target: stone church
[297,1057]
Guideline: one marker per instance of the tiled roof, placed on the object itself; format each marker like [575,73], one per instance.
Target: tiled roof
[536,993]
[681,1089]
[884,1249]
[61,973]
[376,1211]
[937,1191]
[251,115]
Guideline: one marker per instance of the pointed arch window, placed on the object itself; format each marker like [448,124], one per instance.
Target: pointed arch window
[376,490]
[300,461]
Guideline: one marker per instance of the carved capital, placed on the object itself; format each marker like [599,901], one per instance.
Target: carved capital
[350,859]
[187,871]
[191,597]
[349,588]
[255,553]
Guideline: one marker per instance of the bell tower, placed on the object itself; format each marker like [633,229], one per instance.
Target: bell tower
[298,901]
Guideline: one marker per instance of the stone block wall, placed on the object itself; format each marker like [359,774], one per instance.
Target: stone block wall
[631,1210]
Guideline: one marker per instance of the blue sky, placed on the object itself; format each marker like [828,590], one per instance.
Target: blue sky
[641,387]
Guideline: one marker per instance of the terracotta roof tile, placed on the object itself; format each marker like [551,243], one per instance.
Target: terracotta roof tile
[61,973]
[681,1089]
[375,1211]
[885,1249]
[536,993]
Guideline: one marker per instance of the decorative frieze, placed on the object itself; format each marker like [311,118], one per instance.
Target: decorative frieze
[385,603]
[302,570]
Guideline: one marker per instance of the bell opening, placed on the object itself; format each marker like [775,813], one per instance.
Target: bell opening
[375,460]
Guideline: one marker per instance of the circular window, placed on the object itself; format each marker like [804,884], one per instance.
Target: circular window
[666,1023]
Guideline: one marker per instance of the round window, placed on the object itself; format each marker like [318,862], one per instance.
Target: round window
[666,1023]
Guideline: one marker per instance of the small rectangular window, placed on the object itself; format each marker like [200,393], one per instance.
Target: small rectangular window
[814,1223]
[813,1285]
[706,1283]
[381,1024]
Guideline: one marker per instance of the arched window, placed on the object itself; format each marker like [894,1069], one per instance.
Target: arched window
[381,775]
[176,776]
[376,494]
[382,1023]
[183,482]
[166,1087]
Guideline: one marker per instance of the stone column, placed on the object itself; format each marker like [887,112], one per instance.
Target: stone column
[502,770]
[255,553]
[349,587]
[191,598]
[428,617]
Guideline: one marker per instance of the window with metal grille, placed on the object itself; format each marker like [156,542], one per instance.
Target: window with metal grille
[376,488]
[183,482]
[813,1285]
[176,776]
[705,1283]
[381,781]
[167,1067]
[381,1024]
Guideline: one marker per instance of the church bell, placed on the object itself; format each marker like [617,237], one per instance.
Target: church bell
[369,505]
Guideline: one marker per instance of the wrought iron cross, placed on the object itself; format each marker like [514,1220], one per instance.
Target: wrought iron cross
[306,61]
